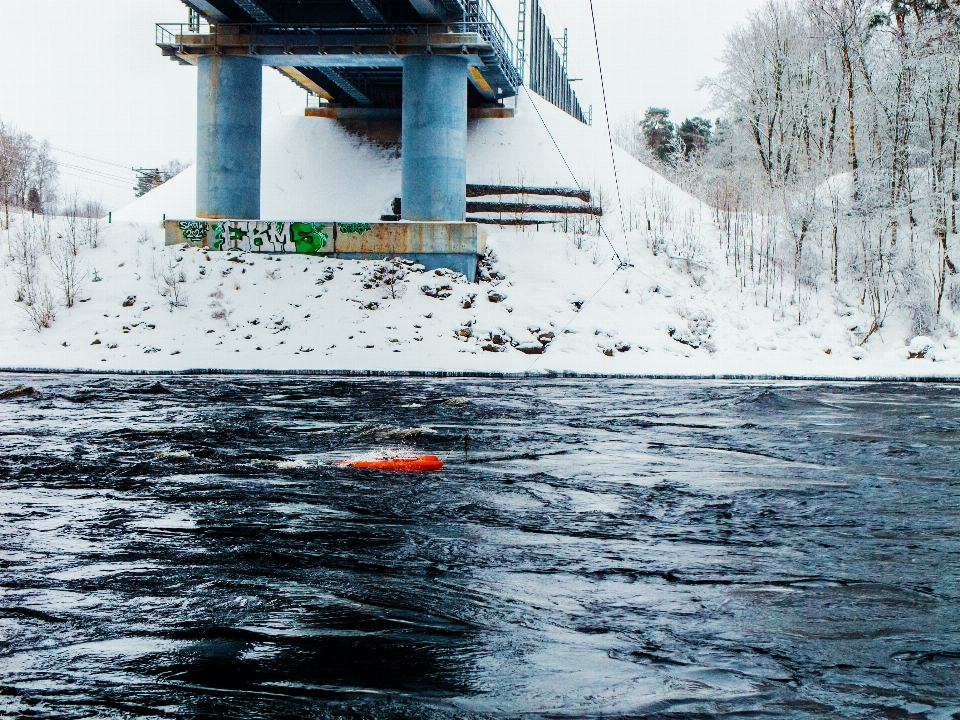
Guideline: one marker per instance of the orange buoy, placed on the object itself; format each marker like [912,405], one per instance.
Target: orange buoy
[419,463]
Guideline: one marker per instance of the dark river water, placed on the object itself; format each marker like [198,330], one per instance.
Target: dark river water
[591,549]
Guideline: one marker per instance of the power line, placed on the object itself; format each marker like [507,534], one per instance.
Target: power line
[606,113]
[60,164]
[95,172]
[104,182]
[88,157]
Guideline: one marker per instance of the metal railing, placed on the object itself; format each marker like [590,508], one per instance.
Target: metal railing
[493,31]
[166,33]
[480,18]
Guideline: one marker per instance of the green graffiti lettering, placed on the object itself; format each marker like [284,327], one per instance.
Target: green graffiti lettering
[218,237]
[237,234]
[354,228]
[307,237]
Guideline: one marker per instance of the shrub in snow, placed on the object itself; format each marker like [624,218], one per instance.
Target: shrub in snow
[697,332]
[389,275]
[39,306]
[919,346]
[171,280]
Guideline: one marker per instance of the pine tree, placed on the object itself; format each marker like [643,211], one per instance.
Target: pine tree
[694,133]
[659,132]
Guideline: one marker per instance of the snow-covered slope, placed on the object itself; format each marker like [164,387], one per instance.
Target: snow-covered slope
[313,169]
[673,308]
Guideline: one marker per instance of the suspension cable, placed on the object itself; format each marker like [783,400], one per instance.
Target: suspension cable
[606,113]
[576,313]
[603,230]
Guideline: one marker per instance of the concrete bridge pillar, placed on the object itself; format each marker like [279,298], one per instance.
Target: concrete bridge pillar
[229,97]
[434,137]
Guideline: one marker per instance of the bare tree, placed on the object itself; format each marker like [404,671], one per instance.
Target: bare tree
[69,269]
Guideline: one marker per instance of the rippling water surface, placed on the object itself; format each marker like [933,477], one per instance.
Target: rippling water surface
[592,548]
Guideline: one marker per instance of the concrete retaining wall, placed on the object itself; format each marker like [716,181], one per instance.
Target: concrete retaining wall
[452,245]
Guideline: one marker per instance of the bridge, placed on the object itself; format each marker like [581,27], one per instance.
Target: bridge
[431,61]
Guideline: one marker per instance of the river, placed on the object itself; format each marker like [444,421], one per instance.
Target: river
[188,546]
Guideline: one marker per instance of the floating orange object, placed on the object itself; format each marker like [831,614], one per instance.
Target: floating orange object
[419,463]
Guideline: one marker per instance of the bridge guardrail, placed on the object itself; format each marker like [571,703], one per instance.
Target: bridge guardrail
[478,21]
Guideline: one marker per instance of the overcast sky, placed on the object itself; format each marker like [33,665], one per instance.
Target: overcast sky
[86,75]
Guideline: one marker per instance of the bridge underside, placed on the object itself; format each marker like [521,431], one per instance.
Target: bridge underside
[349,52]
[429,60]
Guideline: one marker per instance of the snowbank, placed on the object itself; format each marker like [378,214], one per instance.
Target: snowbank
[550,301]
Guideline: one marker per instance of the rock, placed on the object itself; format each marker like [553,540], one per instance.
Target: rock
[131,299]
[493,348]
[156,389]
[440,292]
[18,391]
[684,337]
[608,352]
[623,347]
[96,342]
[495,297]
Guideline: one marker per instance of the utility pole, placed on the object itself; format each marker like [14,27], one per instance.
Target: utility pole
[521,36]
[565,41]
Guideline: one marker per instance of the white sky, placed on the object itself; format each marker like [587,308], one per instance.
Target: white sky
[86,75]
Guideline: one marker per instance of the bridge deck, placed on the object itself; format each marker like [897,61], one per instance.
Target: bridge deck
[349,51]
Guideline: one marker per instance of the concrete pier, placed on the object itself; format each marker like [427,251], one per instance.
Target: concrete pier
[434,137]
[229,97]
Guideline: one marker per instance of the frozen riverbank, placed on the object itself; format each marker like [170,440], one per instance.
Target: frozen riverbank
[655,298]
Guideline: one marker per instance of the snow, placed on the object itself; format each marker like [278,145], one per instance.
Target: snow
[678,312]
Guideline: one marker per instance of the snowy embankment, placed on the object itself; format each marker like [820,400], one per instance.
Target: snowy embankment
[548,301]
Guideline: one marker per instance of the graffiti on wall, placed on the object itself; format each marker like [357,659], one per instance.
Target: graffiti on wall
[258,235]
[354,228]
[193,231]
